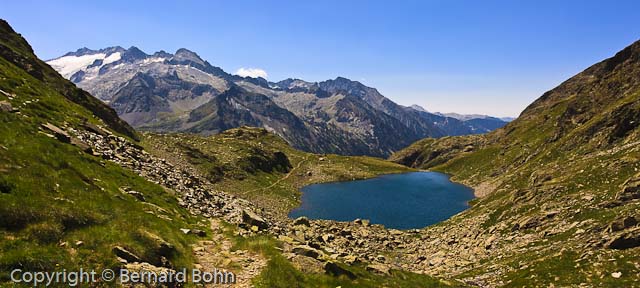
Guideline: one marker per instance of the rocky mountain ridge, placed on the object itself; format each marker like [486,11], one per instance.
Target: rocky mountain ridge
[167,92]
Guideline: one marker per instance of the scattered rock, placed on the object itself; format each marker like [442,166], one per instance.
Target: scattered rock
[79,243]
[587,197]
[378,268]
[306,250]
[5,106]
[616,275]
[197,232]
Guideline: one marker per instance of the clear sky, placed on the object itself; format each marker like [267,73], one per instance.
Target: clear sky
[490,57]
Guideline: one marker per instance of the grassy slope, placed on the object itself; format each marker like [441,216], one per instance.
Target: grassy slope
[227,159]
[231,160]
[53,193]
[576,141]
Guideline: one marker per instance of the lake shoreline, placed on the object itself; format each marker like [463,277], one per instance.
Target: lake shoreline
[479,191]
[399,200]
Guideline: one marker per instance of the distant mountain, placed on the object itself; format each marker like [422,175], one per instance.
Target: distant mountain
[478,123]
[167,92]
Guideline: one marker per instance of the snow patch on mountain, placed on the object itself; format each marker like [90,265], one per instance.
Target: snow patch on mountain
[69,65]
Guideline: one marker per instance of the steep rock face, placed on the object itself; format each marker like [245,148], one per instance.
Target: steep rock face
[559,177]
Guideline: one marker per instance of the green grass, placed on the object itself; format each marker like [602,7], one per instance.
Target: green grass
[231,158]
[53,193]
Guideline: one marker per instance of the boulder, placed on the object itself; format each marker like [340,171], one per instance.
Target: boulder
[622,223]
[5,106]
[307,264]
[253,219]
[306,250]
[137,195]
[630,190]
[625,240]
[526,223]
[196,232]
[125,254]
[302,221]
[351,259]
[326,238]
[379,268]
[58,132]
[489,242]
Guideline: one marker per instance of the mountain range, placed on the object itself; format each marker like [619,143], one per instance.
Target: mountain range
[558,189]
[181,92]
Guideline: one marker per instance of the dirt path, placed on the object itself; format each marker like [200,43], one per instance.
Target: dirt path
[216,254]
[285,177]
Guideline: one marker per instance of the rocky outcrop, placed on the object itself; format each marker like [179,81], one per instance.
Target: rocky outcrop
[630,190]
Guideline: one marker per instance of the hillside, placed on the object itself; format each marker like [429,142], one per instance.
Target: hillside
[261,167]
[78,191]
[181,92]
[62,206]
[559,186]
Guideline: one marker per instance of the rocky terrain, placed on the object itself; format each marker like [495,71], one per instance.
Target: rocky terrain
[77,189]
[166,92]
[557,184]
[558,188]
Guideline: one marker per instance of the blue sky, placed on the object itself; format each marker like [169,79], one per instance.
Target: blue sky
[491,57]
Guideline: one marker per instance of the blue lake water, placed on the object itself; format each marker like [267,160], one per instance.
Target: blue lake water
[401,201]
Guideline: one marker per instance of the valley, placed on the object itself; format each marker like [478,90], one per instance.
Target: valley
[204,172]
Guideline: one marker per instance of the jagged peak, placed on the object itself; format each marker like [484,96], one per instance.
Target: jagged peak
[418,108]
[186,55]
[87,51]
[162,54]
